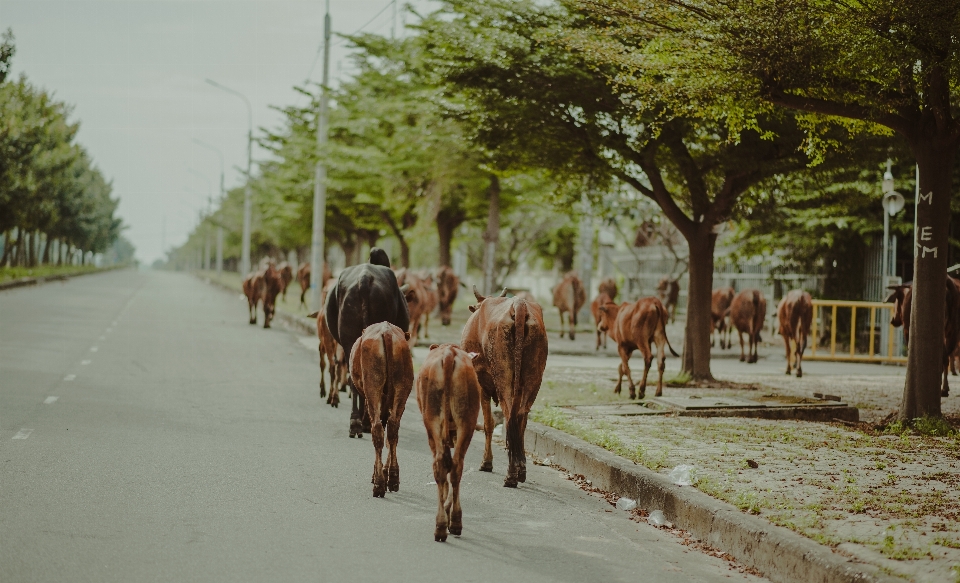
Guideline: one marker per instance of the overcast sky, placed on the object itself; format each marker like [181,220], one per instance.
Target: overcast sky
[134,71]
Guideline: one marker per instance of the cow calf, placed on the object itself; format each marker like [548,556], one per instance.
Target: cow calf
[448,393]
[635,326]
[382,370]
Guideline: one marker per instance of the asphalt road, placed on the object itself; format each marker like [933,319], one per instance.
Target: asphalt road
[148,433]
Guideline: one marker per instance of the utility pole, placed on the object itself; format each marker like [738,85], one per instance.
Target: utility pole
[320,176]
[247,193]
[222,195]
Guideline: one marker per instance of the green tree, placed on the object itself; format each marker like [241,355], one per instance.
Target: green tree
[541,90]
[880,67]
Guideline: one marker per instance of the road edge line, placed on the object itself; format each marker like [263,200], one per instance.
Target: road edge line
[780,554]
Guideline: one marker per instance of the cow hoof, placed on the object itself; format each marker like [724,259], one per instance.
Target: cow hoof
[508,483]
[522,476]
[633,393]
[440,535]
[486,466]
[343,389]
[393,480]
[743,358]
[379,492]
[643,393]
[799,374]
[356,427]
[456,529]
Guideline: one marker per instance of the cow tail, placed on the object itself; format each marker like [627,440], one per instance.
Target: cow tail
[449,362]
[662,316]
[386,395]
[514,439]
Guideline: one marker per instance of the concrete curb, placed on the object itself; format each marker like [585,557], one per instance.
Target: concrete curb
[28,281]
[780,554]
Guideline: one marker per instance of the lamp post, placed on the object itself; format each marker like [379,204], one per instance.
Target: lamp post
[892,204]
[222,193]
[320,177]
[247,194]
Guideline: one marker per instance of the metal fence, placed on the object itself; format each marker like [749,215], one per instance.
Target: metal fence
[870,340]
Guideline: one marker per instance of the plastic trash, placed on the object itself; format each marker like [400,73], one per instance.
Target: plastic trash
[682,475]
[498,430]
[626,504]
[547,461]
[656,518]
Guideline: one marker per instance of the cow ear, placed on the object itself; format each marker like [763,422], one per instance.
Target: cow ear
[463,285]
[432,346]
[602,309]
[472,308]
[473,355]
[406,336]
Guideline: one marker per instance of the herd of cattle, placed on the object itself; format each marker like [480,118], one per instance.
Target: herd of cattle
[372,316]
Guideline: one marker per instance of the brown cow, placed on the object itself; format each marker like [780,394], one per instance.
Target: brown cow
[509,336]
[902,298]
[448,285]
[608,286]
[747,313]
[601,300]
[271,289]
[668,290]
[719,312]
[263,285]
[448,394]
[303,278]
[330,353]
[634,326]
[431,297]
[795,313]
[569,296]
[253,289]
[381,367]
[286,276]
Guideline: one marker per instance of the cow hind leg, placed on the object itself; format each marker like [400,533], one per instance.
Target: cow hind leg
[378,480]
[786,343]
[441,471]
[487,464]
[945,388]
[573,326]
[647,362]
[323,366]
[459,453]
[393,466]
[561,323]
[356,416]
[743,356]
[661,366]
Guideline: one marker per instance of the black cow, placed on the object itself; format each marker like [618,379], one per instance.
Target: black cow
[365,294]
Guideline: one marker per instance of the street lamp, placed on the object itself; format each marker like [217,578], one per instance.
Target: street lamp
[892,204]
[222,193]
[247,195]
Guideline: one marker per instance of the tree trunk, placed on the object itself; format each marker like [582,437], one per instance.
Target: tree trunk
[491,236]
[696,338]
[45,254]
[6,248]
[447,223]
[921,391]
[404,246]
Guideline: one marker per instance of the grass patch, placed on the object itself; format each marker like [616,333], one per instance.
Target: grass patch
[12,273]
[678,380]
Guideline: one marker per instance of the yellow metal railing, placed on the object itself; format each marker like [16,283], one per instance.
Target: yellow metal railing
[822,307]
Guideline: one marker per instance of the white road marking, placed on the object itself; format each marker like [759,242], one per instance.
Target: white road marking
[69,377]
[23,434]
[85,362]
[50,400]
[94,349]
